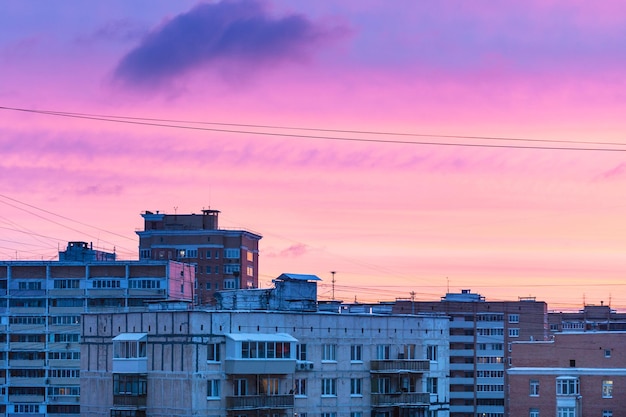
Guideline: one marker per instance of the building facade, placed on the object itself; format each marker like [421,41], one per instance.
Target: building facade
[264,362]
[574,375]
[224,258]
[40,326]
[481,333]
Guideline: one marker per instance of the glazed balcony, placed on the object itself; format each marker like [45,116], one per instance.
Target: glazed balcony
[253,402]
[399,366]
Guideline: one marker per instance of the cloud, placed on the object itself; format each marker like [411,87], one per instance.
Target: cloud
[114,30]
[614,173]
[293,251]
[240,33]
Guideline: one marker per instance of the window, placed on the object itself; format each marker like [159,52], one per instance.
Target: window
[250,271]
[514,332]
[383,385]
[533,412]
[301,351]
[144,253]
[567,386]
[268,386]
[329,387]
[213,388]
[513,318]
[27,285]
[329,352]
[66,283]
[382,352]
[431,384]
[231,253]
[213,352]
[356,414]
[240,387]
[356,353]
[230,284]
[607,353]
[26,408]
[208,254]
[431,352]
[130,384]
[409,352]
[208,284]
[534,388]
[566,412]
[355,386]
[607,413]
[329,414]
[250,256]
[300,387]
[232,269]
[607,388]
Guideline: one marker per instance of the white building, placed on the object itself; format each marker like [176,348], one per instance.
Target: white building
[262,361]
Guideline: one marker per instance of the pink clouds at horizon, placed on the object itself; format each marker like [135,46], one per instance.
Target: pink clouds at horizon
[404,215]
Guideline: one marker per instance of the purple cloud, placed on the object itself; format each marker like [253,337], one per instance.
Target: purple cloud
[238,31]
[615,172]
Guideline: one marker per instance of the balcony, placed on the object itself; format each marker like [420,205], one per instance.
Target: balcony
[252,402]
[129,400]
[401,399]
[397,366]
[260,366]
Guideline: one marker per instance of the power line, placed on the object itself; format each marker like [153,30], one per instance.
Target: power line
[168,123]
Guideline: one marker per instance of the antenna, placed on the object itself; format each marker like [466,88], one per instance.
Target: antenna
[175,210]
[333,281]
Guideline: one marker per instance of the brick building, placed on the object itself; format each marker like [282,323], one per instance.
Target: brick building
[224,258]
[574,375]
[481,333]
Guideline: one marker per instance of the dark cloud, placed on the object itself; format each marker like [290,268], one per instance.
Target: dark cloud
[235,31]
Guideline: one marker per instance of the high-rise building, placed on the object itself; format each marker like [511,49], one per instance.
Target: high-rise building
[591,318]
[265,353]
[481,333]
[224,258]
[576,374]
[40,327]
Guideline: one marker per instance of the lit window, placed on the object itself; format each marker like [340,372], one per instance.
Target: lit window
[607,389]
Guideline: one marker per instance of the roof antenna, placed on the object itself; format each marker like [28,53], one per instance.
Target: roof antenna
[333,281]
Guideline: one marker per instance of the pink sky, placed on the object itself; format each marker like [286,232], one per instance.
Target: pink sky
[389,218]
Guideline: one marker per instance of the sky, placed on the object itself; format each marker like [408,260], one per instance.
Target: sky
[422,148]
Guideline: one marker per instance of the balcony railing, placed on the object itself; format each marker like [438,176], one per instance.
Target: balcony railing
[129,400]
[400,365]
[247,402]
[400,398]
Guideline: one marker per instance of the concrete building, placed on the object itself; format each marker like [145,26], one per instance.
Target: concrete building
[266,357]
[84,252]
[41,304]
[224,258]
[481,333]
[574,375]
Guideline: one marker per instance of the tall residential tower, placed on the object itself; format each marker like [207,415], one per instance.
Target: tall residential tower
[224,258]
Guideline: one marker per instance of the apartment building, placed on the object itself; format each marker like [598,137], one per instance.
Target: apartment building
[224,258]
[265,354]
[481,333]
[41,304]
[573,375]
[591,318]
